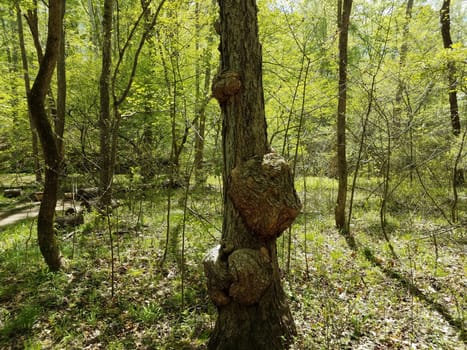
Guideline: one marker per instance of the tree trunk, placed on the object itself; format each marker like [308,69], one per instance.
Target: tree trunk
[110,115]
[105,120]
[200,173]
[45,223]
[202,97]
[401,88]
[259,199]
[445,21]
[200,179]
[27,85]
[344,18]
[33,22]
[173,86]
[402,64]
[92,10]
[59,122]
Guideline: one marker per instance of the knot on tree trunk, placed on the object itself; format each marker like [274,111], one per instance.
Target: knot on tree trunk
[263,192]
[242,275]
[225,85]
[252,275]
[218,277]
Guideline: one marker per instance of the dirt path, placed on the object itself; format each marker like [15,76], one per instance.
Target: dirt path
[18,213]
[26,211]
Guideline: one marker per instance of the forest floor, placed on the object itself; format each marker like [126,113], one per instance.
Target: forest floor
[135,280]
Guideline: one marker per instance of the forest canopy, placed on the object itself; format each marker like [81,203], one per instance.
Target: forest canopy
[299,40]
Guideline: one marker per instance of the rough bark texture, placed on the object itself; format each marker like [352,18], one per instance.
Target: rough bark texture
[341,116]
[262,191]
[45,222]
[243,273]
[445,20]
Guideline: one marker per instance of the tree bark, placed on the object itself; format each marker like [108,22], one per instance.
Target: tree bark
[27,85]
[59,122]
[45,223]
[259,199]
[445,20]
[33,22]
[344,19]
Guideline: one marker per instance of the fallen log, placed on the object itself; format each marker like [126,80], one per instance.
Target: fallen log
[69,220]
[12,192]
[88,205]
[87,193]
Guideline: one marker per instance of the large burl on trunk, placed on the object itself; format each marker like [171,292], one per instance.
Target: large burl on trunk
[245,286]
[262,191]
[260,201]
[242,273]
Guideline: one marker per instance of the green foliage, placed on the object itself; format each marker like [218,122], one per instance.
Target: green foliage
[183,47]
[146,313]
[22,323]
[339,298]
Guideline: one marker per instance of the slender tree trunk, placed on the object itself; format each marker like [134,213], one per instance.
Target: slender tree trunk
[393,133]
[386,186]
[199,126]
[259,199]
[445,20]
[45,223]
[455,177]
[202,99]
[61,93]
[105,119]
[175,149]
[174,85]
[200,172]
[11,52]
[92,10]
[402,64]
[27,85]
[344,19]
[33,22]
[110,102]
